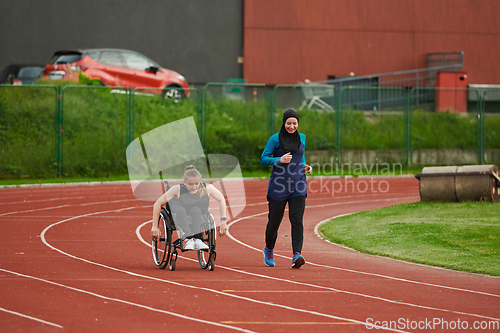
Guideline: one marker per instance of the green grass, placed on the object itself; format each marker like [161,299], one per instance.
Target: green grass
[460,236]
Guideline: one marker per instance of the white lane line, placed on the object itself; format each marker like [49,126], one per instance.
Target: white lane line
[30,317]
[35,210]
[353,293]
[62,206]
[42,236]
[320,235]
[126,302]
[313,285]
[356,271]
[26,202]
[247,246]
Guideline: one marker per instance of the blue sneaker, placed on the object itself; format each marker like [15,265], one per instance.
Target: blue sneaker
[268,257]
[298,260]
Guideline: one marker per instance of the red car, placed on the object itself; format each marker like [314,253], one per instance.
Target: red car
[116,68]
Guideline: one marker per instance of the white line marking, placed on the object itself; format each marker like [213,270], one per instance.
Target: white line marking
[320,235]
[353,293]
[42,236]
[356,271]
[62,206]
[252,273]
[312,285]
[26,202]
[30,317]
[126,302]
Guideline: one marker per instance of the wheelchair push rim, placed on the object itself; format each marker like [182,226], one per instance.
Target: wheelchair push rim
[206,258]
[162,246]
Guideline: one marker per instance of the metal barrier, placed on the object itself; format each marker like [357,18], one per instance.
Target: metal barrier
[417,78]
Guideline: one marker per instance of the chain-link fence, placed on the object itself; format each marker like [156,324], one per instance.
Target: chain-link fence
[70,130]
[235,120]
[372,133]
[443,138]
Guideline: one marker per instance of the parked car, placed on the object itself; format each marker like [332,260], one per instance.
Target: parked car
[116,68]
[21,74]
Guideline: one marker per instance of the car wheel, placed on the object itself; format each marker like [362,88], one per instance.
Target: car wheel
[174,93]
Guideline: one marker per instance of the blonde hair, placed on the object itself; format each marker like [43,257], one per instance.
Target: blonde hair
[190,171]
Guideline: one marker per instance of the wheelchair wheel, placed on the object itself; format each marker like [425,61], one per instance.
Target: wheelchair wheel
[173,261]
[211,262]
[163,245]
[206,258]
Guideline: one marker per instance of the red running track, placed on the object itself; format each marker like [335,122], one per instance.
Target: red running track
[74,259]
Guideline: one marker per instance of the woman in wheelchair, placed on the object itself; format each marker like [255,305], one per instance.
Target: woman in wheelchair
[190,201]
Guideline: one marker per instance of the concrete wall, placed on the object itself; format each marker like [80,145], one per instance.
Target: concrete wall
[426,157]
[287,41]
[199,39]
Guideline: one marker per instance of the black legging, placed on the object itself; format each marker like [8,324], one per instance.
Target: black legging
[296,207]
[181,219]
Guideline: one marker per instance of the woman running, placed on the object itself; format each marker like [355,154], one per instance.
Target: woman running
[287,184]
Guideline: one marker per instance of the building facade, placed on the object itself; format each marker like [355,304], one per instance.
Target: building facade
[271,42]
[288,41]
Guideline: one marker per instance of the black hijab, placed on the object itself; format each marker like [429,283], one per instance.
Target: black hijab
[289,142]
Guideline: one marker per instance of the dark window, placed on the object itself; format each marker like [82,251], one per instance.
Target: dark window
[30,72]
[136,61]
[65,58]
[5,74]
[112,58]
[93,54]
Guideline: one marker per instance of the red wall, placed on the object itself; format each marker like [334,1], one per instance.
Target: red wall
[288,41]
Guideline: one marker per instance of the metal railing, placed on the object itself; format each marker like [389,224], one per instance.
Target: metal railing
[416,78]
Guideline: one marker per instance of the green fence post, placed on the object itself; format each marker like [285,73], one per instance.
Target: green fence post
[339,125]
[407,129]
[271,109]
[480,126]
[483,110]
[201,118]
[57,128]
[60,99]
[129,136]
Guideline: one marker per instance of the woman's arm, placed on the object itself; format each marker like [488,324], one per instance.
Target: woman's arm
[166,197]
[271,145]
[214,192]
[307,168]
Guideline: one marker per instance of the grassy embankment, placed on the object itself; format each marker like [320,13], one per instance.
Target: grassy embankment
[461,236]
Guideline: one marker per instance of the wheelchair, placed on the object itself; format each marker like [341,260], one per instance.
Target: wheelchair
[167,246]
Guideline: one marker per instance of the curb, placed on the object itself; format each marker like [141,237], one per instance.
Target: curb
[123,182]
